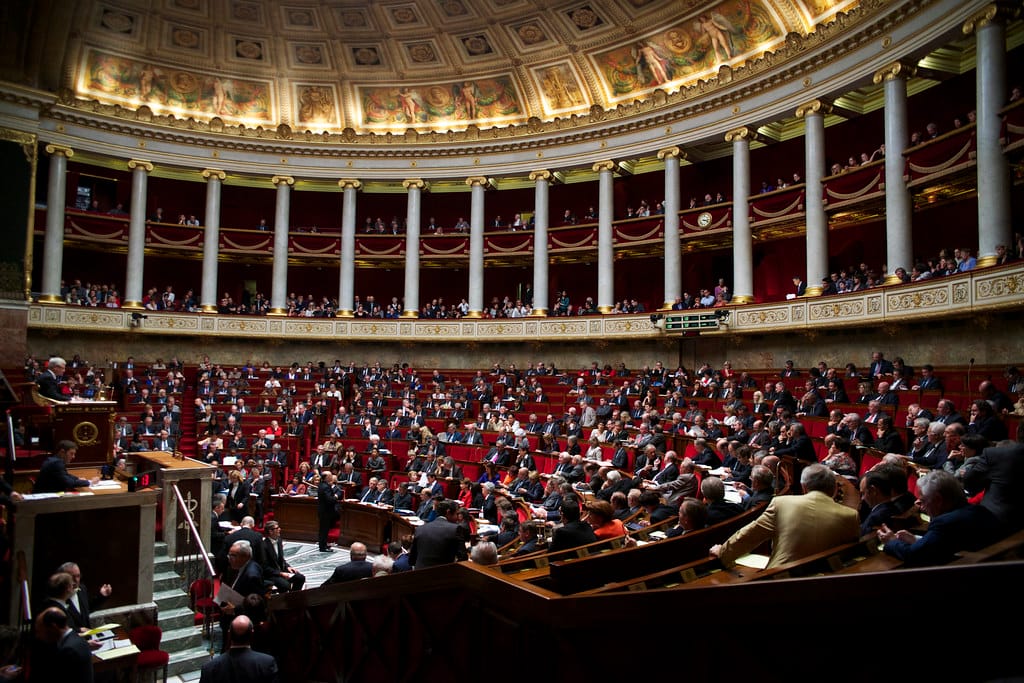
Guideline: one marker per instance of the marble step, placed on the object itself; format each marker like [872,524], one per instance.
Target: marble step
[188,661]
[173,598]
[176,618]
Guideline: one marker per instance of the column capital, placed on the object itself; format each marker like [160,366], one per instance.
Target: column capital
[608,165]
[139,163]
[996,13]
[418,183]
[894,71]
[542,174]
[742,133]
[669,152]
[480,180]
[214,173]
[813,107]
[60,149]
[346,183]
[286,179]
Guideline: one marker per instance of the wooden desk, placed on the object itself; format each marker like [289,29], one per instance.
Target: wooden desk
[369,524]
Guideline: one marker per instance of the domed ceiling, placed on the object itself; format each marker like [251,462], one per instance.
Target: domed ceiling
[396,65]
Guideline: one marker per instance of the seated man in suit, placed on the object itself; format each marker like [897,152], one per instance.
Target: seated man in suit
[573,533]
[241,661]
[955,524]
[49,381]
[356,568]
[718,508]
[276,569]
[797,526]
[440,541]
[54,476]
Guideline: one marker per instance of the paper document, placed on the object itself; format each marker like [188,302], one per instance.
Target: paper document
[753,561]
[100,629]
[107,484]
[230,595]
[115,652]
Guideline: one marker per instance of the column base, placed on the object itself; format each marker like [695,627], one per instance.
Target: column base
[538,313]
[345,313]
[475,315]
[813,291]
[132,305]
[892,279]
[277,313]
[411,313]
[741,299]
[50,299]
[208,308]
[603,310]
[986,261]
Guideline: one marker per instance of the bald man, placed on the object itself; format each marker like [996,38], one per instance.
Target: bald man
[240,662]
[356,568]
[67,656]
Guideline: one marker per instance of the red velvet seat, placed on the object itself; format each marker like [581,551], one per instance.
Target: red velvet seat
[201,598]
[147,638]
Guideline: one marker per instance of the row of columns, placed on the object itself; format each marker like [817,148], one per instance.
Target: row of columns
[994,225]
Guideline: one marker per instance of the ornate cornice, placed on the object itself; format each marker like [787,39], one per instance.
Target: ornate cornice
[895,70]
[140,163]
[793,60]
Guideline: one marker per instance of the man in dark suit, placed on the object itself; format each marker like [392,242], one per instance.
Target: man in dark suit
[67,656]
[247,532]
[879,365]
[240,662]
[999,471]
[800,446]
[54,476]
[356,568]
[248,580]
[440,541]
[573,533]
[326,509]
[275,567]
[876,492]
[49,380]
[718,508]
[81,604]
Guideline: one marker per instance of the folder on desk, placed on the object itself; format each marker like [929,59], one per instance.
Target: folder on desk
[115,652]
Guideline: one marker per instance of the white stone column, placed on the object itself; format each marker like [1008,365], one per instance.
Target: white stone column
[279,272]
[476,246]
[211,240]
[53,242]
[673,262]
[541,184]
[742,240]
[136,234]
[994,186]
[813,114]
[411,306]
[347,275]
[899,208]
[605,237]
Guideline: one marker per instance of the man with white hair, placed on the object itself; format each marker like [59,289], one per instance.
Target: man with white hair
[932,453]
[49,380]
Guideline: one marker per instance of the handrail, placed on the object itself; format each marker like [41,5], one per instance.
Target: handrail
[183,508]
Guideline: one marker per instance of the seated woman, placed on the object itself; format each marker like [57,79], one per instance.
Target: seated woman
[601,517]
[296,488]
[594,451]
[838,459]
[376,463]
[491,474]
[306,472]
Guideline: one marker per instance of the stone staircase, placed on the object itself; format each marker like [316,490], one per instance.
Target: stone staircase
[182,639]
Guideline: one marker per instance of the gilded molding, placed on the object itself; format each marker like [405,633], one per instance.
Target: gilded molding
[742,133]
[603,166]
[140,163]
[997,12]
[61,149]
[346,183]
[895,70]
[414,183]
[286,179]
[214,173]
[819,107]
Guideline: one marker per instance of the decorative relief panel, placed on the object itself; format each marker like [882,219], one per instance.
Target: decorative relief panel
[924,298]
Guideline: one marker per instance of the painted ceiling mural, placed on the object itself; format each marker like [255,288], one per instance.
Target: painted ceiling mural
[396,65]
